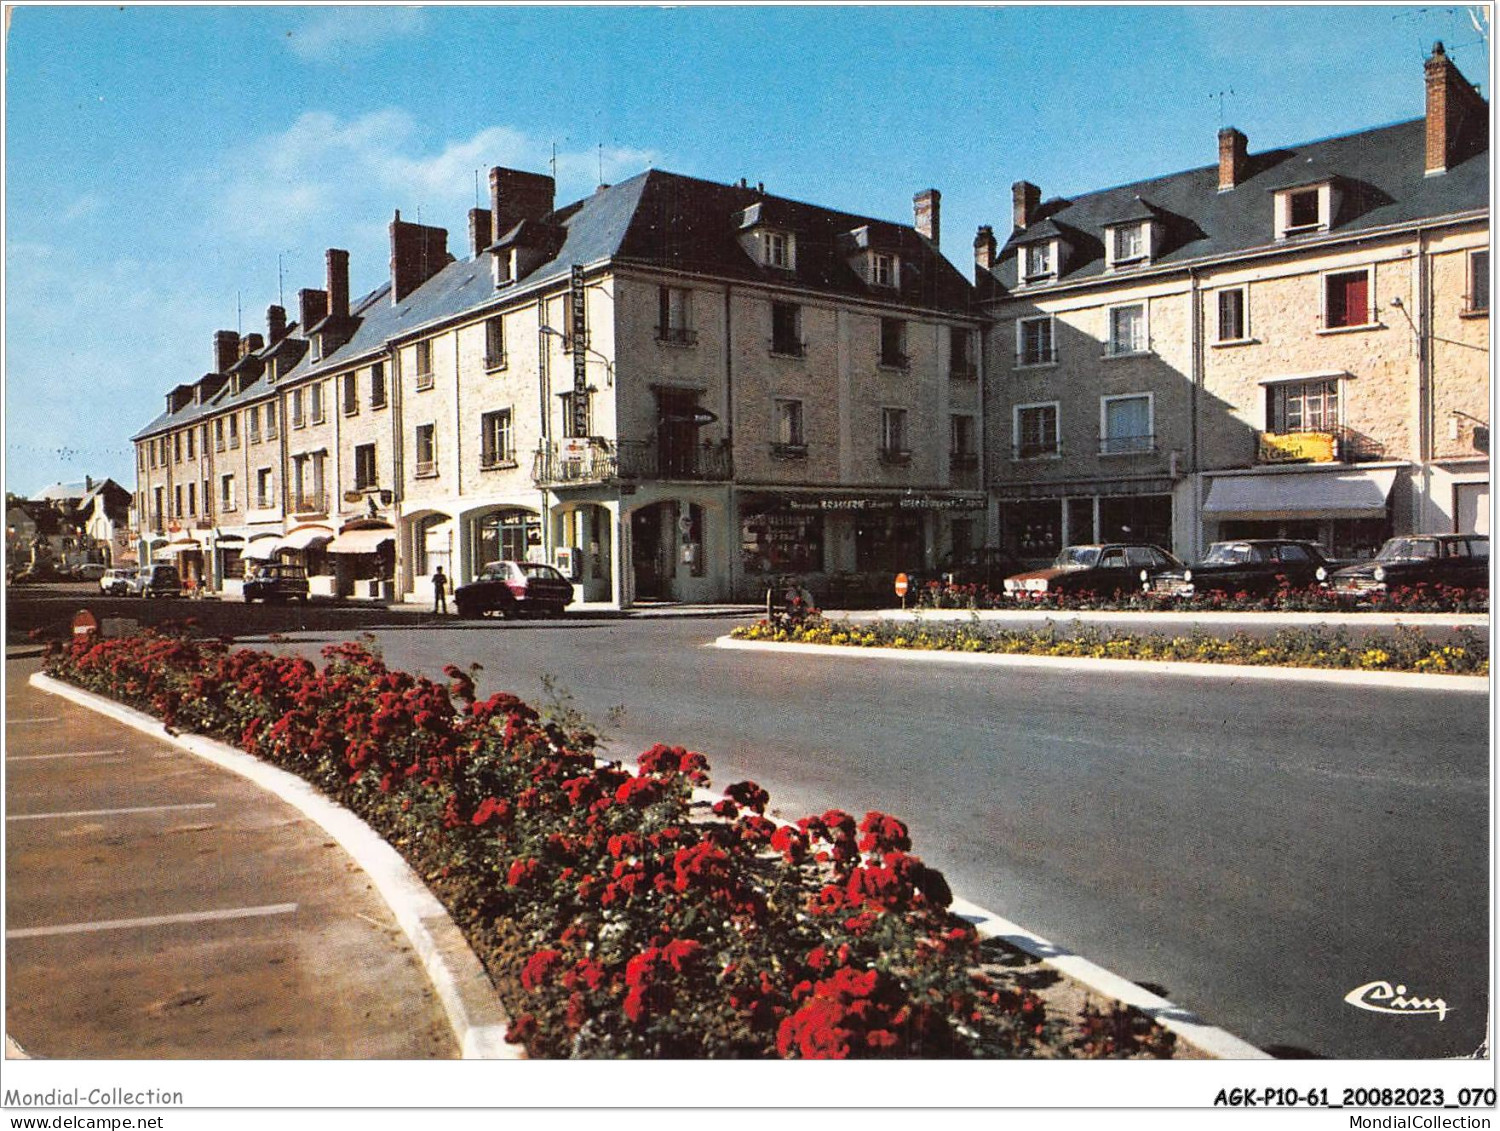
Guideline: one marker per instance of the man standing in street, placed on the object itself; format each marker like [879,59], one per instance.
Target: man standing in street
[439,591]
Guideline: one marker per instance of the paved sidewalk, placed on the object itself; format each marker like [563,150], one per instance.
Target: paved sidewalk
[159,907]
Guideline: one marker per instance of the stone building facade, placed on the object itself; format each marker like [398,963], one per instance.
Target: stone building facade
[1292,342]
[672,389]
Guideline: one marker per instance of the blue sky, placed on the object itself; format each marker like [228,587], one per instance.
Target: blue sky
[159,159]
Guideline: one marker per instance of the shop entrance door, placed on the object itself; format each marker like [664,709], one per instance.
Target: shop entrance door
[651,540]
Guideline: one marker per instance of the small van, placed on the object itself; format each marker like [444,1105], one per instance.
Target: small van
[158,580]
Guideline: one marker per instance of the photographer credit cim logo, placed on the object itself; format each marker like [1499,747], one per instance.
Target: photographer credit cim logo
[1380,997]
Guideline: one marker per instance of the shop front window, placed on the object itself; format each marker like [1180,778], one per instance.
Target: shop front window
[892,543]
[1032,529]
[781,542]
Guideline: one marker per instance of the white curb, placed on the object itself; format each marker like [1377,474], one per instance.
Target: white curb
[458,978]
[1417,681]
[1186,1025]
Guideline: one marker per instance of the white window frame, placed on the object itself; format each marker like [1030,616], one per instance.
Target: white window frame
[1015,425]
[1283,209]
[1049,249]
[317,408]
[1472,275]
[1340,389]
[674,314]
[1111,346]
[901,359]
[265,488]
[493,454]
[885,269]
[789,423]
[227,501]
[1244,335]
[779,249]
[421,363]
[374,467]
[1050,357]
[1104,434]
[899,415]
[494,342]
[1325,277]
[1141,255]
[425,468]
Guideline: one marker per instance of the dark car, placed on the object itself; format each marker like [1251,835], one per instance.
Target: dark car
[1256,566]
[1104,569]
[158,580]
[1461,561]
[510,588]
[276,581]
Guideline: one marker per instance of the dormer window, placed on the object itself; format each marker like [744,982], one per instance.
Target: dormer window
[1040,260]
[778,250]
[884,269]
[1130,243]
[1306,208]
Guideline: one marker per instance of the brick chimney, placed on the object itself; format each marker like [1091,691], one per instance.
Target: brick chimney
[480,234]
[1233,158]
[984,251]
[516,195]
[338,282]
[927,210]
[418,252]
[275,323]
[251,343]
[1025,199]
[313,306]
[1457,117]
[226,350]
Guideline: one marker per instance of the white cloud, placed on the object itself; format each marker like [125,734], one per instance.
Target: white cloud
[326,181]
[341,33]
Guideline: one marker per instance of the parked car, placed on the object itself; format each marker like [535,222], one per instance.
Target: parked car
[1256,566]
[1104,569]
[276,581]
[158,580]
[89,571]
[509,588]
[118,582]
[1458,560]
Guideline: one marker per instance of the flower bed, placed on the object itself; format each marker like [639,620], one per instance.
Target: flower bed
[616,915]
[1406,599]
[1404,650]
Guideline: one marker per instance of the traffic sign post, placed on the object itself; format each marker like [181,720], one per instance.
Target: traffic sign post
[901,588]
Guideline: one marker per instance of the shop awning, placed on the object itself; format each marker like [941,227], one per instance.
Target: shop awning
[305,538]
[260,549]
[366,541]
[1309,494]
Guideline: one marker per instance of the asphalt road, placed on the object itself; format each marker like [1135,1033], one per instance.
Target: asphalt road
[1254,850]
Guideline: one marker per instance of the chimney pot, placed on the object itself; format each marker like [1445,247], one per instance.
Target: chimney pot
[275,323]
[1025,199]
[1233,158]
[927,212]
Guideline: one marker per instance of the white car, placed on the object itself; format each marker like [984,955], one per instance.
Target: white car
[117,582]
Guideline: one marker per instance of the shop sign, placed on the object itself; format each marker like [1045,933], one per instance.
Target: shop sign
[1298,447]
[884,503]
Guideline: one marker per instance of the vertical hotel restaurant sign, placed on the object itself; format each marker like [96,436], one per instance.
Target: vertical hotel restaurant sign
[580,361]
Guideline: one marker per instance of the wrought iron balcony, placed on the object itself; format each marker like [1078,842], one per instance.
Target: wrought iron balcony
[310,502]
[596,460]
[1126,445]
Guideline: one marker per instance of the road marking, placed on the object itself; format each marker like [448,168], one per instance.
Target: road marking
[70,754]
[108,812]
[38,719]
[153,921]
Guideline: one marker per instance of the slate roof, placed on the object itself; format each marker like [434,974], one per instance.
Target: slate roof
[1380,174]
[656,219]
